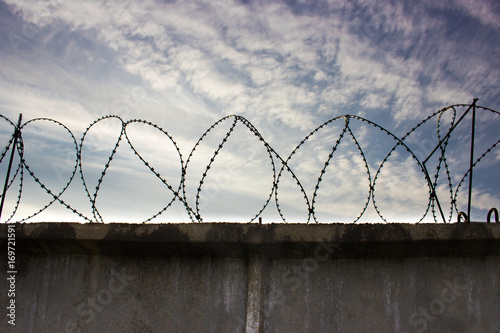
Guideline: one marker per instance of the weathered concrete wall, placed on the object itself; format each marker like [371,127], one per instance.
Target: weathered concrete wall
[223,277]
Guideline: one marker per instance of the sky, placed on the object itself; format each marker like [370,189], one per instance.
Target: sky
[286,67]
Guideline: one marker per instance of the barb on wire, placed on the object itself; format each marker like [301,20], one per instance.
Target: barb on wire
[441,183]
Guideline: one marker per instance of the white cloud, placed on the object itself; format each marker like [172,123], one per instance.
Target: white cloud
[198,61]
[487,12]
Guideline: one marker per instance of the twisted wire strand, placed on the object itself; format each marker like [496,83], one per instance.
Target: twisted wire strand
[285,165]
[180,193]
[55,196]
[212,160]
[4,153]
[442,160]
[20,171]
[467,173]
[367,173]
[327,162]
[193,215]
[270,153]
[93,197]
[157,174]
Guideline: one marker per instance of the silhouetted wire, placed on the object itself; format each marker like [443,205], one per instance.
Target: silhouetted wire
[179,191]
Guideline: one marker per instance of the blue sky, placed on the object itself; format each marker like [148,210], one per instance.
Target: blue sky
[286,66]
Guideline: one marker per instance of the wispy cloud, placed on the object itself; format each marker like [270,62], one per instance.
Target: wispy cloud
[285,67]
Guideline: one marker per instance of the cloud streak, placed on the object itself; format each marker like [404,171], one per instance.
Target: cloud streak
[285,67]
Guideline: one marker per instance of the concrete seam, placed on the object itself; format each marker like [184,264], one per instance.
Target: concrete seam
[254,294]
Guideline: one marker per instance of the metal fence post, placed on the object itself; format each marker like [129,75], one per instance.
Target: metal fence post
[471,156]
[16,135]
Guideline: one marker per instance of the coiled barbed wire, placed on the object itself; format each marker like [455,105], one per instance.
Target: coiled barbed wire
[278,165]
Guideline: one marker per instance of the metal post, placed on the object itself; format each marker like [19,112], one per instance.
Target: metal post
[471,156]
[473,107]
[16,135]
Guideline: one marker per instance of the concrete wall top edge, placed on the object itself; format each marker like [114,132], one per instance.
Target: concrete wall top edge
[253,233]
[272,240]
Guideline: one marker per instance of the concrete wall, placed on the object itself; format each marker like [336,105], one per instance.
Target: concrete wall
[223,277]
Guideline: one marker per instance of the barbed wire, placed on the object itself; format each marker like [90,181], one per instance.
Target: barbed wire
[279,166]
